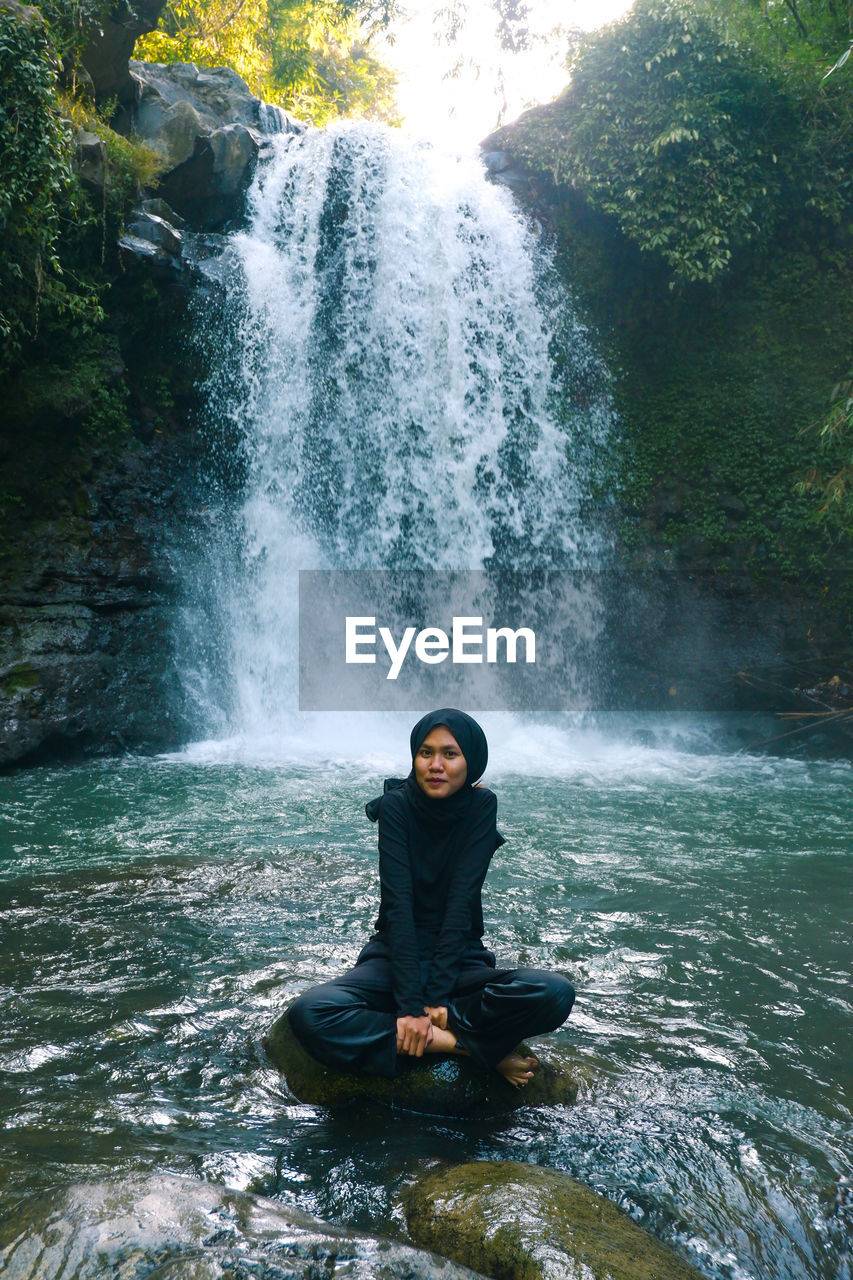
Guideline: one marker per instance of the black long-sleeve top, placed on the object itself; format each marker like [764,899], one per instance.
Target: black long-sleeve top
[431,881]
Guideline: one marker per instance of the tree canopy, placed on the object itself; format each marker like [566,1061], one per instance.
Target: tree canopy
[313,57]
[699,127]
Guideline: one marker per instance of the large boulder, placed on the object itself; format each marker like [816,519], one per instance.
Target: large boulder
[208,129]
[516,1221]
[436,1086]
[28,15]
[187,1230]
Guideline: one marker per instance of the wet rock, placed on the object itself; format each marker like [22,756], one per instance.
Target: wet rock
[436,1086]
[153,238]
[158,207]
[86,604]
[87,680]
[496,161]
[516,1221]
[187,1230]
[215,96]
[144,253]
[208,188]
[151,227]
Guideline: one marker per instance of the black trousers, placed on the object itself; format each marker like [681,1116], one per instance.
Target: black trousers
[351,1024]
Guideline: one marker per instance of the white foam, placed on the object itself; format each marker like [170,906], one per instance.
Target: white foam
[390,377]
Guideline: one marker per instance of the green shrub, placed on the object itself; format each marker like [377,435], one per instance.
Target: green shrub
[679,131]
[831,478]
[130,165]
[35,180]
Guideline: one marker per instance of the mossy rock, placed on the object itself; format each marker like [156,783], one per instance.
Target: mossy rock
[436,1086]
[516,1221]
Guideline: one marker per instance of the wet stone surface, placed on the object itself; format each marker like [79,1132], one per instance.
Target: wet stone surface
[180,1229]
[436,1086]
[517,1221]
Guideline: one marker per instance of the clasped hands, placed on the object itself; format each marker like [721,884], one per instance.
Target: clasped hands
[414,1034]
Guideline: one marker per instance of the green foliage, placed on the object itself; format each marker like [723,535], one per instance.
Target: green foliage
[57,234]
[310,56]
[794,30]
[81,386]
[840,62]
[702,128]
[832,480]
[71,23]
[129,165]
[704,145]
[345,80]
[677,130]
[35,177]
[808,44]
[54,233]
[711,390]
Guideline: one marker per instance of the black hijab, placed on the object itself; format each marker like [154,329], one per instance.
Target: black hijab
[441,814]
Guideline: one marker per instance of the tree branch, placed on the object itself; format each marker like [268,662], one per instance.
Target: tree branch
[790,4]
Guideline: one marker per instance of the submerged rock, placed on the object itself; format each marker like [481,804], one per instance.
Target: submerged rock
[187,1230]
[517,1221]
[436,1086]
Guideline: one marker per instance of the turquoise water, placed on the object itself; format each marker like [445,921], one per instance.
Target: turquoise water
[157,914]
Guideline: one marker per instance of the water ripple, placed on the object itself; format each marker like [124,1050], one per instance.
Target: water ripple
[157,915]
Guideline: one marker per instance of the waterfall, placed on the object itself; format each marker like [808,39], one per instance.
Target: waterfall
[407,383]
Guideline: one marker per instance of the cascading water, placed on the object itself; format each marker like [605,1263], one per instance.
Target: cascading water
[408,383]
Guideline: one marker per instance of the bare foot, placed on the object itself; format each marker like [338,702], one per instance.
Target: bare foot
[517,1070]
[444,1041]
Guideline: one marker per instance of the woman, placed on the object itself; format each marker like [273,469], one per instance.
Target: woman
[425,983]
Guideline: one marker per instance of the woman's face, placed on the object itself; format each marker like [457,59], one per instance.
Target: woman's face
[440,768]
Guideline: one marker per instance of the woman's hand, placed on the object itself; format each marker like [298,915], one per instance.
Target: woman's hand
[437,1015]
[413,1035]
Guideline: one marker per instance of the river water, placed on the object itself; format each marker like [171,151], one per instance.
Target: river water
[403,386]
[158,913]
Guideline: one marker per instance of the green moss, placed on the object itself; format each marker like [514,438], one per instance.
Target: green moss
[718,373]
[20,679]
[712,390]
[75,408]
[516,1221]
[85,390]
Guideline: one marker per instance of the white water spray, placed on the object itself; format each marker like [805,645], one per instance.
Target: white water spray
[394,386]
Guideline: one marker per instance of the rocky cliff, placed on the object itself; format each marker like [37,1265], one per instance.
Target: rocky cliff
[101,457]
